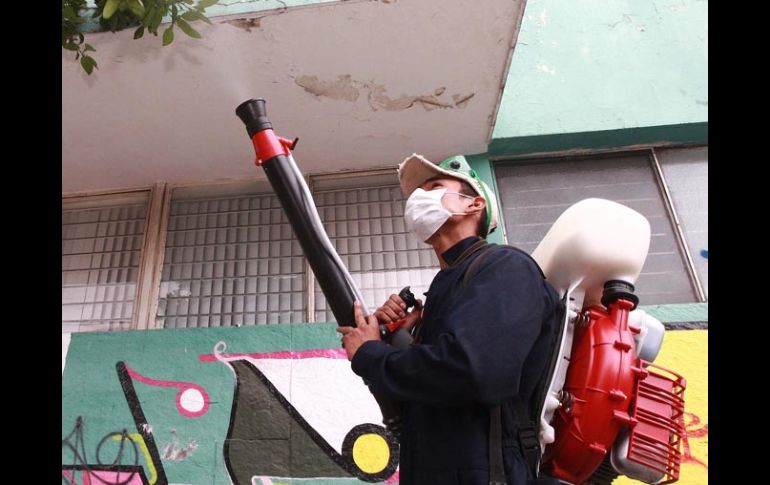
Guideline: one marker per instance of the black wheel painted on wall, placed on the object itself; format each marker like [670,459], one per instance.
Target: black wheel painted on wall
[371,451]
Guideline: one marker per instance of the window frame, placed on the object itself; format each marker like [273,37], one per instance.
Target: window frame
[101,198]
[160,197]
[660,181]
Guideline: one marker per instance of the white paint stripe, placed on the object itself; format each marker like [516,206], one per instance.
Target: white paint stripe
[65,345]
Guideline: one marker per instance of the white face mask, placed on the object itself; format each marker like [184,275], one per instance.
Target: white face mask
[425,214]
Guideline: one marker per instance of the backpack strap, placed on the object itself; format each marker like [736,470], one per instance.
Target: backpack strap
[528,442]
[475,265]
[528,429]
[528,437]
[477,246]
[496,468]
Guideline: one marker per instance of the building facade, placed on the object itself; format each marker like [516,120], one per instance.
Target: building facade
[197,347]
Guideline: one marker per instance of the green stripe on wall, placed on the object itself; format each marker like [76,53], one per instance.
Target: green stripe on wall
[679,313]
[667,135]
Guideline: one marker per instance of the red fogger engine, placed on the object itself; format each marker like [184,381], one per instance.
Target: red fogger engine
[608,410]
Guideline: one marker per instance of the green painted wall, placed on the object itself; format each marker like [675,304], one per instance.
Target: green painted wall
[597,66]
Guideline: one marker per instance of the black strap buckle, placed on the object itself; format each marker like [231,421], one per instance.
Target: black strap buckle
[529,440]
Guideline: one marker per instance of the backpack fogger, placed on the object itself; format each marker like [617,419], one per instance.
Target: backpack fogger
[606,409]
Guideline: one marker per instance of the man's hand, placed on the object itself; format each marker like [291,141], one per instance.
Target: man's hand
[366,329]
[394,309]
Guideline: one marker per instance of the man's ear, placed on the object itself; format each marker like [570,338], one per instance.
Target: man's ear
[479,203]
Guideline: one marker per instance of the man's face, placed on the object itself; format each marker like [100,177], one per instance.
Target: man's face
[449,183]
[453,203]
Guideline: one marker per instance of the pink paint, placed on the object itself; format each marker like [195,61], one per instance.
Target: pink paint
[393,478]
[69,476]
[114,477]
[284,354]
[185,389]
[100,477]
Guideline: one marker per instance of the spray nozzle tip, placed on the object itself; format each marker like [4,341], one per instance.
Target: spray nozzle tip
[253,113]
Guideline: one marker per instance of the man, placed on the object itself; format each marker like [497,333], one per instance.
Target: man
[481,342]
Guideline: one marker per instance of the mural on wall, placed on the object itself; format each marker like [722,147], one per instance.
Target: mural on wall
[124,468]
[325,439]
[192,401]
[233,405]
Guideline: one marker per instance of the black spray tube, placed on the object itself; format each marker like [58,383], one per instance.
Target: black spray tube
[274,154]
[292,192]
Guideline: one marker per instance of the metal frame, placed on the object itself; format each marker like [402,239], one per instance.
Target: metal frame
[668,202]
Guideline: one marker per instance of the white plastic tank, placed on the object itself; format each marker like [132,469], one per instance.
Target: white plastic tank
[594,241]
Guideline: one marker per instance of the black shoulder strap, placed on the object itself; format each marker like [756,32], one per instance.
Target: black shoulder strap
[473,268]
[496,468]
[528,429]
[477,246]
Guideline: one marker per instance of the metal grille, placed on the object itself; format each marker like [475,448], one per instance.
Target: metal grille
[230,261]
[366,226]
[101,251]
[533,195]
[687,172]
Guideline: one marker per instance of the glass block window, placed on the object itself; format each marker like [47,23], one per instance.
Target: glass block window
[686,171]
[230,260]
[366,226]
[533,195]
[102,241]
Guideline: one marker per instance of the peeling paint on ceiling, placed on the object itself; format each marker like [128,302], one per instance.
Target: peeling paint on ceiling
[245,24]
[342,88]
[348,89]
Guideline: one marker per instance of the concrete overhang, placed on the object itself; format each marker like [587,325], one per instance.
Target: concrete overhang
[362,84]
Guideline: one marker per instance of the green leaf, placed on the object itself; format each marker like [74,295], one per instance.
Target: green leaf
[89,47]
[88,64]
[168,35]
[148,14]
[71,47]
[187,29]
[109,8]
[207,3]
[136,7]
[155,22]
[193,15]
[190,15]
[138,33]
[69,13]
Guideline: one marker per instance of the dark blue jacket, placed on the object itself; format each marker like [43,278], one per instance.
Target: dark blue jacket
[479,346]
